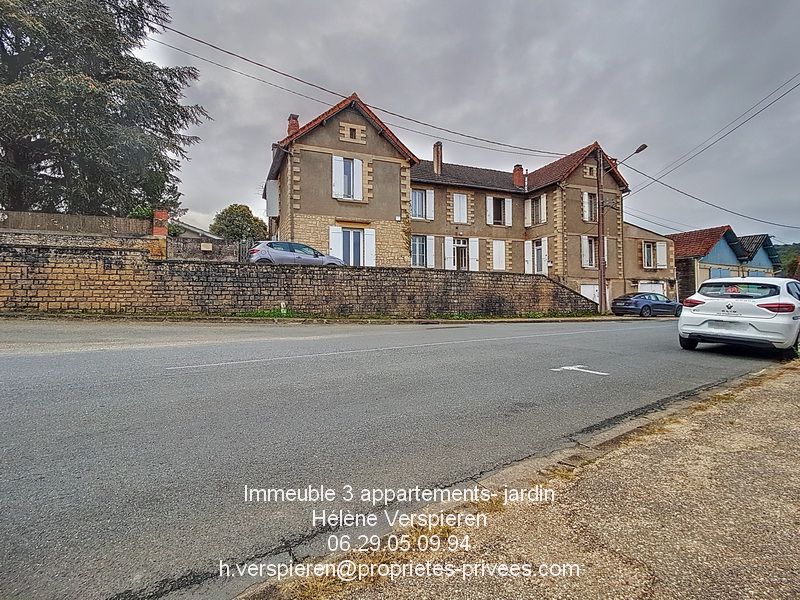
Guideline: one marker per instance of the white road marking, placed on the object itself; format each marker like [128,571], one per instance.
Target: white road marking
[409,346]
[581,368]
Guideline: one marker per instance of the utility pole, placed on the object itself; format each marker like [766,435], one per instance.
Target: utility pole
[601,254]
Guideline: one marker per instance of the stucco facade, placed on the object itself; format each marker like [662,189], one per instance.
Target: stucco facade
[649,261]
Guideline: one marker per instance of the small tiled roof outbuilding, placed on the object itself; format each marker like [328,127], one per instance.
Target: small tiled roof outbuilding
[698,243]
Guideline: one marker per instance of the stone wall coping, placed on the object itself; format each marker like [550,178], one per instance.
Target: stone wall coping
[128,236]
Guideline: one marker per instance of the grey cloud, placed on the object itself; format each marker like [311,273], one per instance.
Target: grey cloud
[550,75]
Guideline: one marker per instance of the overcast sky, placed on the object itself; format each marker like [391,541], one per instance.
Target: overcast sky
[547,75]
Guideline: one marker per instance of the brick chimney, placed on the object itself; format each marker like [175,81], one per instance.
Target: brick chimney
[519,177]
[294,124]
[160,222]
[437,158]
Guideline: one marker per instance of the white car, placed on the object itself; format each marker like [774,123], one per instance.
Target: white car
[754,311]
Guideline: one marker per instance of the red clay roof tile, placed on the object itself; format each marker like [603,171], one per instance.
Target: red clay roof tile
[352,100]
[697,243]
[559,170]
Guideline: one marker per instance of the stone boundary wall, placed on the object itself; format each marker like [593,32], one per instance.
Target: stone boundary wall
[82,224]
[192,249]
[42,278]
[155,246]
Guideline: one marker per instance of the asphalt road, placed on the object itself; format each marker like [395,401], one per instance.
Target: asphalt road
[126,446]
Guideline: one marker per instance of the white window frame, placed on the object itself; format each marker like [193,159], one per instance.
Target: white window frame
[417,214]
[590,171]
[463,245]
[420,257]
[589,209]
[460,208]
[498,219]
[354,246]
[651,246]
[540,257]
[338,180]
[351,193]
[589,251]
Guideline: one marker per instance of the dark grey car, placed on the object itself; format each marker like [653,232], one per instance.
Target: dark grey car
[290,253]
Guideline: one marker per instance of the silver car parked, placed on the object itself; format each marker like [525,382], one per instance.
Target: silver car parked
[290,253]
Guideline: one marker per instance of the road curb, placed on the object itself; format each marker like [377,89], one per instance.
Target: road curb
[310,320]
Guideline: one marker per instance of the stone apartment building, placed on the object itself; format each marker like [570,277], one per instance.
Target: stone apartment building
[344,183]
[341,183]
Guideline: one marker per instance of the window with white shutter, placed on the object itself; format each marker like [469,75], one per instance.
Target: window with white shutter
[661,255]
[430,251]
[528,245]
[419,251]
[369,247]
[429,202]
[474,262]
[528,212]
[449,254]
[648,255]
[543,208]
[337,174]
[347,178]
[588,252]
[459,208]
[540,256]
[499,255]
[498,211]
[417,204]
[589,207]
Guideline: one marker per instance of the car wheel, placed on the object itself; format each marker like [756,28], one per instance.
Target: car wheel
[646,311]
[264,261]
[678,310]
[687,343]
[793,351]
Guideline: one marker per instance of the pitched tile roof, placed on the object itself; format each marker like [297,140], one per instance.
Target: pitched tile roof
[355,102]
[560,169]
[279,149]
[753,243]
[460,175]
[691,244]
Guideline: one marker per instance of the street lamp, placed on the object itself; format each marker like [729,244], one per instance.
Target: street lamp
[601,207]
[641,148]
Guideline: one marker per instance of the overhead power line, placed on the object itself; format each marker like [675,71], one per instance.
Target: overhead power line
[333,92]
[663,172]
[719,139]
[325,103]
[717,206]
[545,152]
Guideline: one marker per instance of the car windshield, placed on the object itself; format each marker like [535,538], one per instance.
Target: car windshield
[737,289]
